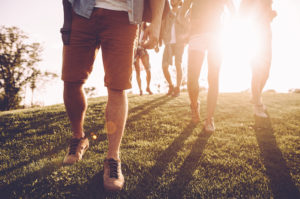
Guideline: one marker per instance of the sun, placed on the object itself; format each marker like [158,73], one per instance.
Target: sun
[241,40]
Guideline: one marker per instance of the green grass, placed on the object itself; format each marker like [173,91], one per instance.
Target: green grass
[163,154]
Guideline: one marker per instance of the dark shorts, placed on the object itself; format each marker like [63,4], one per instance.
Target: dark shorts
[109,30]
[140,52]
[171,50]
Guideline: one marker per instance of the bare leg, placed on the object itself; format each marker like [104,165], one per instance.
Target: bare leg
[260,74]
[165,68]
[76,105]
[148,81]
[261,67]
[178,75]
[176,92]
[178,61]
[116,115]
[138,74]
[146,63]
[214,64]
[195,61]
[256,87]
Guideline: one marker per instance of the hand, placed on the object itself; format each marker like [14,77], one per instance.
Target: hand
[65,35]
[151,36]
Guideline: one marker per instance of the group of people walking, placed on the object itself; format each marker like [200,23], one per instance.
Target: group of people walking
[113,26]
[198,24]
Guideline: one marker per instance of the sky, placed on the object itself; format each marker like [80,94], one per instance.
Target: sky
[41,20]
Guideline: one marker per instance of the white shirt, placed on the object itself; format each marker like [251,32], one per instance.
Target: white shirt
[119,5]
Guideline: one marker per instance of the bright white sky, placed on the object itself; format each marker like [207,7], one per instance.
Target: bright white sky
[42,19]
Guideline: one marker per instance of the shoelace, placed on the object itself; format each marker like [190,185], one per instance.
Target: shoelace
[113,168]
[73,146]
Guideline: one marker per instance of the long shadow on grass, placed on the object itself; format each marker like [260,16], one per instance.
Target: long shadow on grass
[33,158]
[150,179]
[25,185]
[136,112]
[15,126]
[146,104]
[20,161]
[39,123]
[281,182]
[133,109]
[190,164]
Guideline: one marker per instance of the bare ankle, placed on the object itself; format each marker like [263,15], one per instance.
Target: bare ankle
[209,119]
[78,135]
[113,156]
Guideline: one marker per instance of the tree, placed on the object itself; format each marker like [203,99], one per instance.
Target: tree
[90,91]
[42,77]
[18,59]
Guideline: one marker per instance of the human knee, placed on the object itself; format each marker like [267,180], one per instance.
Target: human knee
[178,63]
[138,75]
[179,69]
[148,71]
[192,83]
[213,78]
[73,85]
[165,66]
[116,91]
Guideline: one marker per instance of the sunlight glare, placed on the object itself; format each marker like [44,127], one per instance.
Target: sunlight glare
[240,40]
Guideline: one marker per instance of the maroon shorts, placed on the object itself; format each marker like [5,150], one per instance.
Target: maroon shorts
[109,30]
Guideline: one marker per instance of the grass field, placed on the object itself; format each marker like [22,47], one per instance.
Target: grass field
[163,154]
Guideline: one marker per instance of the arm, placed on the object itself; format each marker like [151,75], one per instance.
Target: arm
[151,34]
[185,7]
[66,29]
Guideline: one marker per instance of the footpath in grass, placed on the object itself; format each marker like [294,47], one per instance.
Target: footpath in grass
[163,154]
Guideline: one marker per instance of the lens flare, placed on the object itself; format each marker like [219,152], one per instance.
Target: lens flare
[93,136]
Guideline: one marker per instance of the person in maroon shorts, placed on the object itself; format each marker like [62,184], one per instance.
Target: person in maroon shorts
[110,25]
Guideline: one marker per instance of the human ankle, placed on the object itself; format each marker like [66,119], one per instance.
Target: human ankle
[195,104]
[113,156]
[78,135]
[209,119]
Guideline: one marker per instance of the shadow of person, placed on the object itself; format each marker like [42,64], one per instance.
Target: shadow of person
[95,189]
[38,178]
[190,164]
[151,177]
[136,112]
[281,182]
